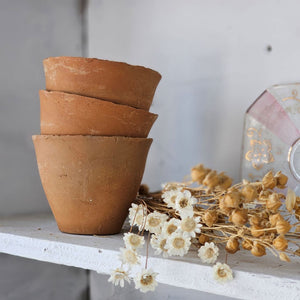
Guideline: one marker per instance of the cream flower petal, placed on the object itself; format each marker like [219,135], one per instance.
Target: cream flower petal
[137,215]
[158,243]
[118,276]
[178,244]
[133,241]
[171,226]
[155,222]
[208,253]
[222,273]
[184,204]
[169,197]
[146,280]
[190,226]
[129,256]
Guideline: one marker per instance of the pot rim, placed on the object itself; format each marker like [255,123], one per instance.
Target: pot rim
[93,59]
[102,101]
[96,137]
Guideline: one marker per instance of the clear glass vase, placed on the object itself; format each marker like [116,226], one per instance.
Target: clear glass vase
[272,135]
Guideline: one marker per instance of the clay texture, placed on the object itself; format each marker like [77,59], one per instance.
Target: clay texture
[63,113]
[108,80]
[90,181]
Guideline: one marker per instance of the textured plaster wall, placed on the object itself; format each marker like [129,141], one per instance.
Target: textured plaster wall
[30,30]
[215,57]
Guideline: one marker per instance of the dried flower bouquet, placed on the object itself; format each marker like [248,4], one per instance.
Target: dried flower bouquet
[208,211]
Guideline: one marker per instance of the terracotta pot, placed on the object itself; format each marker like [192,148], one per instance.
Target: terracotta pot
[63,113]
[108,80]
[90,181]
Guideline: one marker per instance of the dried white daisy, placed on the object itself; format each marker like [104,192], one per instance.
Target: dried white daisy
[169,197]
[190,226]
[158,243]
[146,280]
[171,226]
[155,222]
[133,241]
[172,186]
[137,215]
[184,204]
[178,244]
[222,272]
[129,256]
[118,276]
[208,253]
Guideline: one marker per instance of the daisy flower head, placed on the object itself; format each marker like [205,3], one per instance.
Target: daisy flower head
[171,186]
[129,256]
[178,244]
[146,280]
[190,226]
[158,243]
[118,276]
[155,222]
[208,253]
[169,197]
[184,203]
[133,241]
[171,226]
[222,273]
[137,215]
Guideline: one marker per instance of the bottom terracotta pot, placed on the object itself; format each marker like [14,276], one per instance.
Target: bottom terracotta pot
[90,181]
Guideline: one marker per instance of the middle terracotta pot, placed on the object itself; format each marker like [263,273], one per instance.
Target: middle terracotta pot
[63,113]
[90,181]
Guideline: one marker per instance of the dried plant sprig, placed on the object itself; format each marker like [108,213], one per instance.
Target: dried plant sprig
[253,216]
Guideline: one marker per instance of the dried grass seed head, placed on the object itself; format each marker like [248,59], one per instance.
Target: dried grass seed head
[232,245]
[283,226]
[273,202]
[203,238]
[198,173]
[211,180]
[247,244]
[257,231]
[239,217]
[210,218]
[281,180]
[249,192]
[258,249]
[269,181]
[280,243]
[224,181]
[232,199]
[274,218]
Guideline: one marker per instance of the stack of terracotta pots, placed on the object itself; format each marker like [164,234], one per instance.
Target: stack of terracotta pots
[93,145]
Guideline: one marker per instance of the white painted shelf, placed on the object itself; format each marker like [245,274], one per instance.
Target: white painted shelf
[37,237]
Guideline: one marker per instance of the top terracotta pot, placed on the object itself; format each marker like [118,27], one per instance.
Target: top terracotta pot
[108,80]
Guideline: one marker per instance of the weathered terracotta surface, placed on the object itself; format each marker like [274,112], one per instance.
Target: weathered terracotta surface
[63,113]
[108,80]
[90,181]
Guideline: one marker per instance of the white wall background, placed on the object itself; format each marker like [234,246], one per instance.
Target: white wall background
[214,61]
[29,31]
